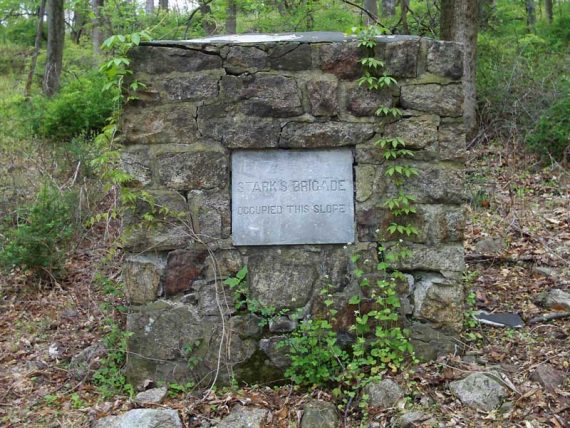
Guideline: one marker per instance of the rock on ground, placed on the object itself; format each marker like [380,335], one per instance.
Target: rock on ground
[383,394]
[479,390]
[152,396]
[413,419]
[549,377]
[558,300]
[319,414]
[142,418]
[86,361]
[244,417]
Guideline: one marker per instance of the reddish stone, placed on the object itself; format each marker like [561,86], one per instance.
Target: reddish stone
[182,268]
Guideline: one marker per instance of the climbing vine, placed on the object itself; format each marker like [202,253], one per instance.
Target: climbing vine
[380,344]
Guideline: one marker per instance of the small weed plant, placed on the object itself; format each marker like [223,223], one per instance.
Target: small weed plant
[38,238]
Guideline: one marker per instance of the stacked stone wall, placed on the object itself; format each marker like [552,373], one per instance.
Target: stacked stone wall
[201,101]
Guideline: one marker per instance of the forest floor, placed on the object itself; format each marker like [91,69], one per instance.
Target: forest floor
[517,247]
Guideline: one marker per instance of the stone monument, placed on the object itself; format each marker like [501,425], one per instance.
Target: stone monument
[258,151]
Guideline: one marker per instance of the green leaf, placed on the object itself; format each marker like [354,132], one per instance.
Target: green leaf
[242,273]
[354,300]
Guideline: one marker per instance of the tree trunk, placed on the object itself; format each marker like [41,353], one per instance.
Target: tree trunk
[372,7]
[231,19]
[207,25]
[530,14]
[56,38]
[80,11]
[97,34]
[404,5]
[163,5]
[548,10]
[459,22]
[37,44]
[149,6]
[388,7]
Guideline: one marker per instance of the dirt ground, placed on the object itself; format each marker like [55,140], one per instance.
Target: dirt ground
[517,247]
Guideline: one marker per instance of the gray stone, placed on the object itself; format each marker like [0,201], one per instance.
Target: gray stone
[418,132]
[558,300]
[159,124]
[414,419]
[240,132]
[319,414]
[400,57]
[433,296]
[159,60]
[264,95]
[324,134]
[479,390]
[210,211]
[189,87]
[361,101]
[443,257]
[282,324]
[87,361]
[226,262]
[280,281]
[445,59]
[430,343]
[323,98]
[434,223]
[435,183]
[142,276]
[245,417]
[166,334]
[245,58]
[383,394]
[342,60]
[166,232]
[451,142]
[198,166]
[490,245]
[549,377]
[152,396]
[545,271]
[142,418]
[290,57]
[365,178]
[246,325]
[445,100]
[277,353]
[292,197]
[135,162]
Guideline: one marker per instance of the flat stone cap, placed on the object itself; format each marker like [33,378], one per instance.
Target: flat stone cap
[257,38]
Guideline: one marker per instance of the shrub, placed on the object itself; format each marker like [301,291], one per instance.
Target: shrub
[551,136]
[82,106]
[39,237]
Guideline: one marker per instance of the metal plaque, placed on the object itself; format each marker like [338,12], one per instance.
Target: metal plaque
[292,197]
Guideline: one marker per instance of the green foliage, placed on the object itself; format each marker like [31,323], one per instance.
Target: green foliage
[21,31]
[13,58]
[551,137]
[41,233]
[82,106]
[522,75]
[176,389]
[316,358]
[110,378]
